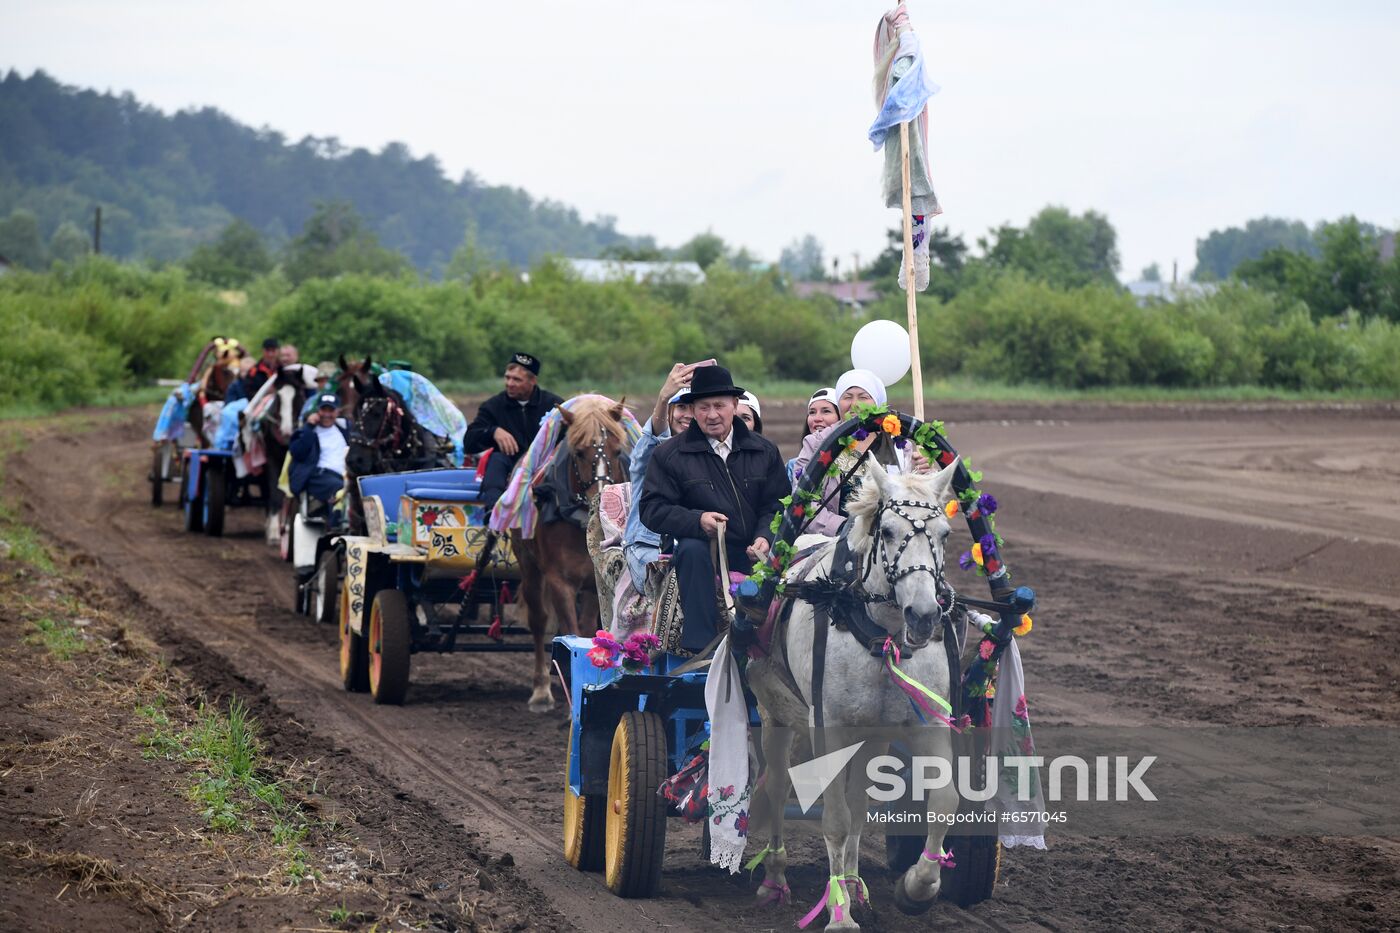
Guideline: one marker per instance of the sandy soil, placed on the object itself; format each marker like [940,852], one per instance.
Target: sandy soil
[1162,540]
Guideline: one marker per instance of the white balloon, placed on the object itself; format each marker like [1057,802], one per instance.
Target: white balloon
[883,348]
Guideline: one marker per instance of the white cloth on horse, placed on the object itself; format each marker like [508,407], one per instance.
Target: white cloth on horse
[728,766]
[1011,727]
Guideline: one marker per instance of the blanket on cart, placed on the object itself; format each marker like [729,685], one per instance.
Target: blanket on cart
[516,508]
[430,408]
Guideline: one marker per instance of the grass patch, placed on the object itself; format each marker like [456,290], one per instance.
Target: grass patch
[117,398]
[60,638]
[234,790]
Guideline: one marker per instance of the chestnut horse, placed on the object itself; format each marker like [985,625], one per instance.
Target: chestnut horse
[557,582]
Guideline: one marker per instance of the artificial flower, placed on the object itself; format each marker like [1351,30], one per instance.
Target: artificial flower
[989,545]
[901,442]
[1025,627]
[824,458]
[977,554]
[860,434]
[799,511]
[890,425]
[951,508]
[601,657]
[965,561]
[1020,711]
[986,503]
[984,650]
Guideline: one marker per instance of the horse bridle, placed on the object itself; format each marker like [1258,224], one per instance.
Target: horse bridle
[392,413]
[602,468]
[889,564]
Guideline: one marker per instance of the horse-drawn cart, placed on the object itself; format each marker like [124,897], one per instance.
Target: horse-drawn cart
[632,733]
[416,580]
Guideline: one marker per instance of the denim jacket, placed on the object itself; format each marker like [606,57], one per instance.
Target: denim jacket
[636,532]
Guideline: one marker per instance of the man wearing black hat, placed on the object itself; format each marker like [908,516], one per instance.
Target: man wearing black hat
[717,473]
[506,423]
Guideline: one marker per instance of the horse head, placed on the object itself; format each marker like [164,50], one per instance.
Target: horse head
[353,381]
[597,442]
[899,528]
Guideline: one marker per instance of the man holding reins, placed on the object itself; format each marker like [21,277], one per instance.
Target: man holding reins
[717,474]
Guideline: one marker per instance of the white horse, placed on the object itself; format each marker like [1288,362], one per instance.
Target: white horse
[896,534]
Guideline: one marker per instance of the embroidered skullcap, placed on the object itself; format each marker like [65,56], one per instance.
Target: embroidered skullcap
[865,379]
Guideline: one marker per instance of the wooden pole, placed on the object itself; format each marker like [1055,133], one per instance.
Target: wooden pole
[97,232]
[911,307]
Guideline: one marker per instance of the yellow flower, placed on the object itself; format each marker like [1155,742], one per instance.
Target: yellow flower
[991,691]
[977,553]
[890,424]
[1025,627]
[951,508]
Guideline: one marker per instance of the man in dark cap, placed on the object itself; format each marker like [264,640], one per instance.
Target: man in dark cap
[506,423]
[318,450]
[266,367]
[716,473]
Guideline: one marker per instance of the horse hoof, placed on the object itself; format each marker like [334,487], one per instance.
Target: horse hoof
[907,905]
[540,705]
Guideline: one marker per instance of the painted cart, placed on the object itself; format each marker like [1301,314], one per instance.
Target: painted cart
[208,482]
[416,580]
[632,732]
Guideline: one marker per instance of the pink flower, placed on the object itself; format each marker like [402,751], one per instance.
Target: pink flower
[984,651]
[601,657]
[1020,711]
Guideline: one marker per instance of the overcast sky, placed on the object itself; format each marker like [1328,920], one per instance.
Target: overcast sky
[1172,117]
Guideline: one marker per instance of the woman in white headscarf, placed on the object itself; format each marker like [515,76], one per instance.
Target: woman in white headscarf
[855,387]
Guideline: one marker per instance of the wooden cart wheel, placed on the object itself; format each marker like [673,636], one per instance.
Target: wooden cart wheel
[326,588]
[192,499]
[584,824]
[160,463]
[216,482]
[390,643]
[354,654]
[635,837]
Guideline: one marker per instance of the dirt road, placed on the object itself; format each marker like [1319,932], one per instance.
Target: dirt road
[1161,541]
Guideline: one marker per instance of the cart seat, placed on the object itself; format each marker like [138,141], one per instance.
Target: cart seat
[468,493]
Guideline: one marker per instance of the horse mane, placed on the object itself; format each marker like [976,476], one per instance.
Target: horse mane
[589,413]
[865,503]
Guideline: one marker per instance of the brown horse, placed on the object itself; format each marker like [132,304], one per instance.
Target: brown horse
[557,582]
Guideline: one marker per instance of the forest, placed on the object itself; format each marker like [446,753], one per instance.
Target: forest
[168,183]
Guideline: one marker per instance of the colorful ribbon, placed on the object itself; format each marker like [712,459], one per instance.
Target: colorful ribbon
[920,697]
[836,897]
[942,858]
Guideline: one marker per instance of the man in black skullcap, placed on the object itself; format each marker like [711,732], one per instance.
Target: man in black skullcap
[717,473]
[506,423]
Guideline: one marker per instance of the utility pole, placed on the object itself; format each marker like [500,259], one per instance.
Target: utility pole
[855,277]
[97,232]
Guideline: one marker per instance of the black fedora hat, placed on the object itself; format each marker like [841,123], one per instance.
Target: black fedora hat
[708,381]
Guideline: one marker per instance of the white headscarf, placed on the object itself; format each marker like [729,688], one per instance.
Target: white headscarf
[864,379]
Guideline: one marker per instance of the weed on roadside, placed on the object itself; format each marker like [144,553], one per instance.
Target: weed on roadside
[61,639]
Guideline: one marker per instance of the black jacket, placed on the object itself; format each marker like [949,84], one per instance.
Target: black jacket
[502,411]
[686,477]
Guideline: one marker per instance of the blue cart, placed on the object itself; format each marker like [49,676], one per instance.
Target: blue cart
[415,580]
[628,733]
